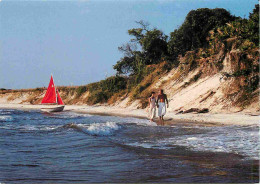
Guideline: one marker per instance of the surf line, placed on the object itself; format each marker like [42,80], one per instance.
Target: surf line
[88,131]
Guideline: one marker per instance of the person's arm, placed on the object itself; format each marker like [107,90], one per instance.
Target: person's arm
[149,99]
[166,99]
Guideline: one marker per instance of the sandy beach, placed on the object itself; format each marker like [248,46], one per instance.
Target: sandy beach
[217,119]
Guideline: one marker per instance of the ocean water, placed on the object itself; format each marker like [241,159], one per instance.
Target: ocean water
[67,147]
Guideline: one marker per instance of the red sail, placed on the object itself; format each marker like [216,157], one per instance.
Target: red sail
[60,102]
[50,95]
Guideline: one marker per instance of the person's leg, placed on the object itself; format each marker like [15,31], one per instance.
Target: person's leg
[160,120]
[153,114]
[163,112]
[160,113]
[150,114]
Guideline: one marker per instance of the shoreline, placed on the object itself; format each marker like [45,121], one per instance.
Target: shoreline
[171,118]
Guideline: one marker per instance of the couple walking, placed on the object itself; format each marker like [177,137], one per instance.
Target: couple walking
[159,102]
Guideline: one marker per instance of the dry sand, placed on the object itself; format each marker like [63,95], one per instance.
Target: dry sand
[219,119]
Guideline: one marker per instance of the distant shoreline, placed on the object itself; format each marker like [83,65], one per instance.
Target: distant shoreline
[207,119]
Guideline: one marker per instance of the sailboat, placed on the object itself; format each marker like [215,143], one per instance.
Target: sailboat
[52,99]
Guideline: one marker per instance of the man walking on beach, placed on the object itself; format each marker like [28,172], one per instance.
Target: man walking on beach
[161,100]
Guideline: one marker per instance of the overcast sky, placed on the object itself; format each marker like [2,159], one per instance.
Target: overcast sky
[77,41]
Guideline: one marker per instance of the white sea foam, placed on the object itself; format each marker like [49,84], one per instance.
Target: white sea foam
[221,139]
[192,138]
[137,121]
[143,122]
[39,127]
[103,129]
[29,127]
[76,115]
[69,115]
[143,145]
[6,118]
[216,139]
[5,112]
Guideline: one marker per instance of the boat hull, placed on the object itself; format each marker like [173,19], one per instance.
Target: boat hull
[53,108]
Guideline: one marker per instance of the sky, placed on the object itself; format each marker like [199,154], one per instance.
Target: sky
[77,41]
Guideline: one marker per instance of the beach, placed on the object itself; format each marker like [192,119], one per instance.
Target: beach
[217,119]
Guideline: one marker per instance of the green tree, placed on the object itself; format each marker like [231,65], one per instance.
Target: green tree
[152,44]
[253,25]
[193,32]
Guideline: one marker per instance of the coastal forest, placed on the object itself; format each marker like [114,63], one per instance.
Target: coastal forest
[211,61]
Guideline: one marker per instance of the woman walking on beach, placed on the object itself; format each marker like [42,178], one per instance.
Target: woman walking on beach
[152,107]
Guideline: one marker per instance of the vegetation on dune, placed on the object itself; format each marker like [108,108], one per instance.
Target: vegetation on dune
[244,29]
[245,34]
[202,41]
[80,90]
[101,91]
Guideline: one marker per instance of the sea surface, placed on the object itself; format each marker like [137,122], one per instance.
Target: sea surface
[67,147]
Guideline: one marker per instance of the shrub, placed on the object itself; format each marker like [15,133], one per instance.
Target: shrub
[138,90]
[39,89]
[98,97]
[80,90]
[101,91]
[246,45]
[113,84]
[93,87]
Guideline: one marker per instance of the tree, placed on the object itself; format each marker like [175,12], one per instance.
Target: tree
[152,44]
[253,25]
[193,32]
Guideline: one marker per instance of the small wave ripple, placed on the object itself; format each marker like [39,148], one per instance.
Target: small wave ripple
[6,118]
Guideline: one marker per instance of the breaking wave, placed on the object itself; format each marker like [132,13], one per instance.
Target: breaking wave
[103,129]
[97,129]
